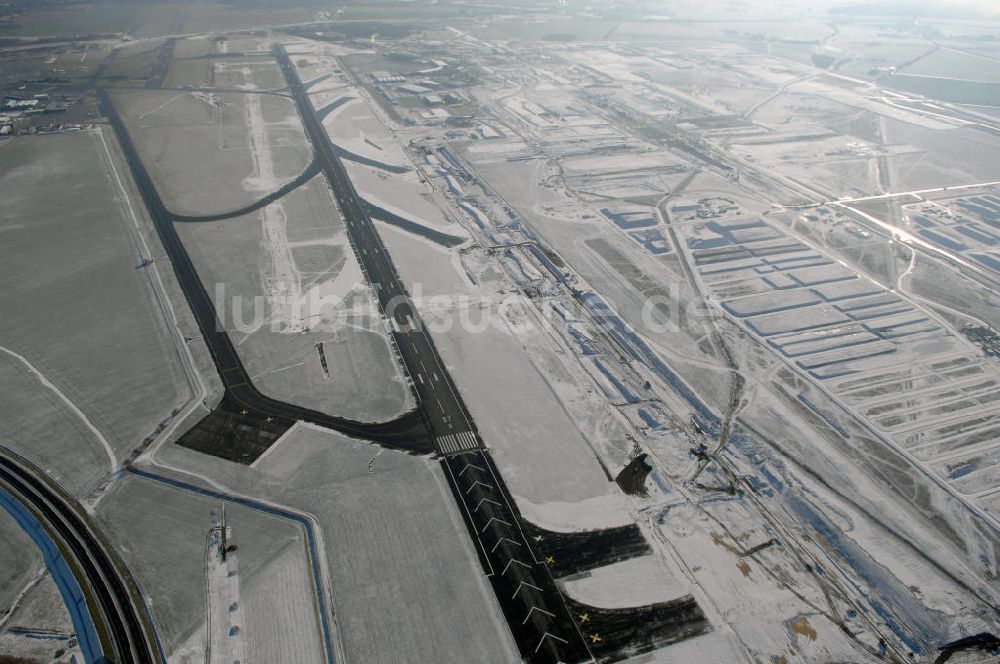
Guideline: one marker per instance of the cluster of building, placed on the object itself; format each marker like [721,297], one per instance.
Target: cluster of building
[35,105]
[985,337]
[712,207]
[52,128]
[17,107]
[427,93]
[13,103]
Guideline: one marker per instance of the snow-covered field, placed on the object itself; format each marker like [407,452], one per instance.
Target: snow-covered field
[634,582]
[800,323]
[89,368]
[391,540]
[162,533]
[47,627]
[287,282]
[22,562]
[279,345]
[607,256]
[189,139]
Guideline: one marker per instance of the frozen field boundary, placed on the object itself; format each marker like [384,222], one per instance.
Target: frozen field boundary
[112,460]
[313,545]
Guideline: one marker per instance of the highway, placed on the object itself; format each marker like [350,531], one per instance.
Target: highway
[114,601]
[241,398]
[437,397]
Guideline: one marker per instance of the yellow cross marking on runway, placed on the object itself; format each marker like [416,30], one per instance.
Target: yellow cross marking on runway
[244,411]
[595,638]
[584,617]
[550,560]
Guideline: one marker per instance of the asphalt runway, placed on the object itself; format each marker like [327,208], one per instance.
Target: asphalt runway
[532,604]
[536,612]
[542,626]
[437,397]
[408,432]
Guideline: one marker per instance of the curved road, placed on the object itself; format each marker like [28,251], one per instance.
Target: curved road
[121,618]
[408,432]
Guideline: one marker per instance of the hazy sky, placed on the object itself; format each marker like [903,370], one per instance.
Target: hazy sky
[936,8]
[942,7]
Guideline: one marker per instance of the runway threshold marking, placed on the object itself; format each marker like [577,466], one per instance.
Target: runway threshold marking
[497,545]
[535,608]
[498,520]
[478,483]
[511,562]
[487,500]
[470,465]
[462,441]
[551,636]
[525,583]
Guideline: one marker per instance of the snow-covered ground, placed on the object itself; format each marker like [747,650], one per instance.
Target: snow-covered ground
[633,582]
[838,523]
[391,539]
[778,301]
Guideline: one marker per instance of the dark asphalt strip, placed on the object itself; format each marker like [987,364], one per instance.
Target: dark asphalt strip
[408,432]
[437,395]
[311,171]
